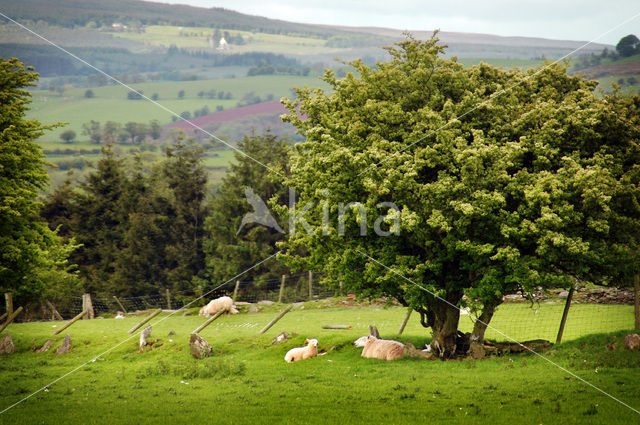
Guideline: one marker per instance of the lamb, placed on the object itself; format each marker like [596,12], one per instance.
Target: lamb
[219,304]
[301,353]
[383,349]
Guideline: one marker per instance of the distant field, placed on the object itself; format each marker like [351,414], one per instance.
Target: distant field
[111,104]
[196,37]
[605,83]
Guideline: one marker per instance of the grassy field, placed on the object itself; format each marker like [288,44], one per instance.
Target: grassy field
[195,37]
[111,104]
[605,83]
[247,381]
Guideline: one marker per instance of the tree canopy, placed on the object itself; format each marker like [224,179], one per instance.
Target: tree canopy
[141,225]
[495,191]
[228,247]
[628,45]
[31,255]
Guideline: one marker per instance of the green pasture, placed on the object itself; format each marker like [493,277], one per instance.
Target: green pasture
[248,382]
[605,83]
[196,37]
[111,104]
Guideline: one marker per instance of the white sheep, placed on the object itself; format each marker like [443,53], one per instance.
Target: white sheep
[219,304]
[383,349]
[301,353]
[361,342]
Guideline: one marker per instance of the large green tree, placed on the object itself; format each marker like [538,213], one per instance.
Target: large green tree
[492,195]
[628,45]
[31,255]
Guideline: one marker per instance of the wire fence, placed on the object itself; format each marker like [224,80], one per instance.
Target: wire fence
[298,287]
[592,311]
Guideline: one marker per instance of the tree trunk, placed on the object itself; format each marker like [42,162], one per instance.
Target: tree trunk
[476,340]
[445,325]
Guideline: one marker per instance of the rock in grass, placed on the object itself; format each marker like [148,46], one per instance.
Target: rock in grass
[6,345]
[66,345]
[280,338]
[200,348]
[632,342]
[46,346]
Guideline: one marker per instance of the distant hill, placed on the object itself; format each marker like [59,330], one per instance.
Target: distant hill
[73,13]
[492,46]
[354,41]
[612,69]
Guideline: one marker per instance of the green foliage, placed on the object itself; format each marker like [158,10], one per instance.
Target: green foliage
[534,188]
[93,130]
[134,95]
[227,250]
[32,257]
[628,46]
[68,136]
[141,228]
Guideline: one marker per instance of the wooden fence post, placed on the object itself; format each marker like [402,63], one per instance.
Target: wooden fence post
[340,293]
[636,299]
[278,317]
[124,310]
[565,313]
[281,289]
[87,306]
[404,321]
[208,321]
[136,327]
[235,291]
[10,319]
[8,299]
[70,322]
[53,310]
[200,296]
[310,286]
[168,299]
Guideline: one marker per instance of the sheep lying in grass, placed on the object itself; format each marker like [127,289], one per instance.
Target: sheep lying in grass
[219,304]
[383,349]
[362,341]
[301,353]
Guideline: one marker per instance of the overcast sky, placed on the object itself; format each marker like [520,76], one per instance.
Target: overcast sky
[559,19]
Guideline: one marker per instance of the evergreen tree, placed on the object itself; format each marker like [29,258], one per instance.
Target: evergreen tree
[186,181]
[32,256]
[228,248]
